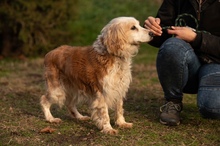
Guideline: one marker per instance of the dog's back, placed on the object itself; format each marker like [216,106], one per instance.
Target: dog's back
[77,67]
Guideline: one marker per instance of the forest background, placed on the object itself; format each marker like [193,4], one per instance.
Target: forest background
[32,28]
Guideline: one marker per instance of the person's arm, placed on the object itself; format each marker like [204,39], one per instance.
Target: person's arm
[167,15]
[207,43]
[201,42]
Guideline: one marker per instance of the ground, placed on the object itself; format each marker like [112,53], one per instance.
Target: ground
[22,121]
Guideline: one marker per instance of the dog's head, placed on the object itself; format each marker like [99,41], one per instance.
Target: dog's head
[122,36]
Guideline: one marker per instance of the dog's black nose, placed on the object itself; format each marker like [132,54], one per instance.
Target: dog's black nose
[151,34]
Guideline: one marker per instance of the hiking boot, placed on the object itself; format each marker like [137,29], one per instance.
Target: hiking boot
[170,113]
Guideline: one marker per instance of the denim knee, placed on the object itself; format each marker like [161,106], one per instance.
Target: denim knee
[172,46]
[174,49]
[208,98]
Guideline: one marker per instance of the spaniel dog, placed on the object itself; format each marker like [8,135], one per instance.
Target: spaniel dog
[99,74]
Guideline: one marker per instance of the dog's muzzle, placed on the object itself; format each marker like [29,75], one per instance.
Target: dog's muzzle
[151,34]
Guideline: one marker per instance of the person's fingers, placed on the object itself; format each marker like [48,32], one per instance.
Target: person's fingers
[184,33]
[153,24]
[157,20]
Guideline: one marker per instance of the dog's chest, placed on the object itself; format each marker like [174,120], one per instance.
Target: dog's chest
[118,79]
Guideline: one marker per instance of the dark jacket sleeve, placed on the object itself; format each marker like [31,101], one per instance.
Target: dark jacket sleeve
[207,44]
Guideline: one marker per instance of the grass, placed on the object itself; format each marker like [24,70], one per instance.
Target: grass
[22,84]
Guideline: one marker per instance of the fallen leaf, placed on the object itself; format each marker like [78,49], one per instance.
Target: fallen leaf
[47,130]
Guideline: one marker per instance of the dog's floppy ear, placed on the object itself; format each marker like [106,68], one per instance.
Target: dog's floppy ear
[113,38]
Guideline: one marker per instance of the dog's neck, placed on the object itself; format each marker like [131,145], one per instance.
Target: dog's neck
[104,51]
[101,49]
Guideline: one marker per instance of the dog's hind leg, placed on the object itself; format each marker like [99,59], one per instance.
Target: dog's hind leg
[99,114]
[74,112]
[46,104]
[54,95]
[119,115]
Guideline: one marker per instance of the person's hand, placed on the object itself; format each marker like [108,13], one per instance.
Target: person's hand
[185,33]
[153,24]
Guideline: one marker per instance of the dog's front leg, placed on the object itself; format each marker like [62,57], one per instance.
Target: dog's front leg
[100,115]
[119,115]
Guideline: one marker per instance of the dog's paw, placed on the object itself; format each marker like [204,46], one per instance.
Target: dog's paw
[110,131]
[55,120]
[84,118]
[125,125]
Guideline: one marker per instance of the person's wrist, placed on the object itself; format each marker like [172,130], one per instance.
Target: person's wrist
[197,41]
[193,37]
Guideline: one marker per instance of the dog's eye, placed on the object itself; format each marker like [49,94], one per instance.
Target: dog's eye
[133,28]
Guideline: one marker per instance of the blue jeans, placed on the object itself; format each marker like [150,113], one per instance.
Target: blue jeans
[180,71]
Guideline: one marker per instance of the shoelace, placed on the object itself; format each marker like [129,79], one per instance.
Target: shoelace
[170,105]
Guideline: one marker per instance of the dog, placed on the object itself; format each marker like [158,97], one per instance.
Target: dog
[99,74]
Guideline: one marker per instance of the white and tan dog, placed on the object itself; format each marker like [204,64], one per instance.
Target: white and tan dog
[98,74]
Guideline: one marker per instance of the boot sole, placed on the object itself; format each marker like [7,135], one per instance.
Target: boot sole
[169,123]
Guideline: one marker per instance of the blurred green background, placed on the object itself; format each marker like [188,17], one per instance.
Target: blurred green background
[32,28]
